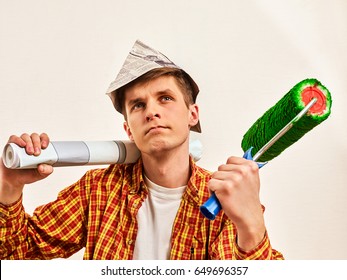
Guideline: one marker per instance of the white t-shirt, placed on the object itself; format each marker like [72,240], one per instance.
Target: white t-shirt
[155,220]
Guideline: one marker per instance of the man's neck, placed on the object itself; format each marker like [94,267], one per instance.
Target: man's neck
[170,170]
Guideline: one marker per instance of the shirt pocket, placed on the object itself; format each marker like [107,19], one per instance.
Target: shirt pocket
[198,249]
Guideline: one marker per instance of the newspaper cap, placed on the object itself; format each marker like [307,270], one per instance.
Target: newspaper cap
[140,60]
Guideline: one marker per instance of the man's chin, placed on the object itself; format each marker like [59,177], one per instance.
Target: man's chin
[159,146]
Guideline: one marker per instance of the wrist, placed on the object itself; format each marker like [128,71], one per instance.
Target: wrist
[250,237]
[9,193]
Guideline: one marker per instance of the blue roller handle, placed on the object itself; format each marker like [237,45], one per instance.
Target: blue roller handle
[212,206]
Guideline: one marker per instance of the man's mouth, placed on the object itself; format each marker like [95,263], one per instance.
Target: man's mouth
[155,129]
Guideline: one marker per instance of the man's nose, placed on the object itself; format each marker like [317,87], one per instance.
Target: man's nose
[151,116]
[152,111]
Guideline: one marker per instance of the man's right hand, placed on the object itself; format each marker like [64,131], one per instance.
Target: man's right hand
[12,181]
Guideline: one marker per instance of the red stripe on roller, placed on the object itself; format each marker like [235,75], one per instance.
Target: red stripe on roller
[310,92]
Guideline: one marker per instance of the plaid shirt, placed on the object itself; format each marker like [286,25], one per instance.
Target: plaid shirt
[99,213]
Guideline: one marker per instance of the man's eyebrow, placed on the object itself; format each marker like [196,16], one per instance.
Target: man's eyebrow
[165,91]
[134,101]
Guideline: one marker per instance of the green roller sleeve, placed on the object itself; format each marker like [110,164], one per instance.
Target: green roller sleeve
[274,119]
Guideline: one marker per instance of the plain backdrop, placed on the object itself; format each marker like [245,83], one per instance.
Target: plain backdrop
[57,59]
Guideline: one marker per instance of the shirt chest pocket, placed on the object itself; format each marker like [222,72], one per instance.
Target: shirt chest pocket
[198,250]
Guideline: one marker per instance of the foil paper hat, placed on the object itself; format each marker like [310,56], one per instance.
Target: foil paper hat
[140,60]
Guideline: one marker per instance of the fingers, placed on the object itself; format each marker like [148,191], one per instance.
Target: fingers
[44,140]
[33,143]
[242,161]
[16,140]
[236,166]
[236,172]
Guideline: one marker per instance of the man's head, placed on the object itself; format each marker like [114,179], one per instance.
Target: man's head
[144,64]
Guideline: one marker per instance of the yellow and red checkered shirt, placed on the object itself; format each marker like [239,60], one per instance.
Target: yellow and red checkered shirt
[99,213]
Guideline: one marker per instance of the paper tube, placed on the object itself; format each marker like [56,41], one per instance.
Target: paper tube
[76,153]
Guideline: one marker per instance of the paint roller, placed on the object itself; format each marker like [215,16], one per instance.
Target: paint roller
[305,106]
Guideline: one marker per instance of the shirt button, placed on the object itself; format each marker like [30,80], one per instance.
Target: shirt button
[130,242]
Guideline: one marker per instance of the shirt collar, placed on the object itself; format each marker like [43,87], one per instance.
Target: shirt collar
[194,192]
[137,180]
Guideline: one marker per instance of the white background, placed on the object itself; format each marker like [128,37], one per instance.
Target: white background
[57,59]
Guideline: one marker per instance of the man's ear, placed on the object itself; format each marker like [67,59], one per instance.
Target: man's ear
[194,115]
[128,131]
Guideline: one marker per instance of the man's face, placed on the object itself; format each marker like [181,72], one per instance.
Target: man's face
[158,118]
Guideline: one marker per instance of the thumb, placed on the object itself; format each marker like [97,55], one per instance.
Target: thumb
[45,170]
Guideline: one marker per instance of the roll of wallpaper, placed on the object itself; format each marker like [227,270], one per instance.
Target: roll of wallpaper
[76,153]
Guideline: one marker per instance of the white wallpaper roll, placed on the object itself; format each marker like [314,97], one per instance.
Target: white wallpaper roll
[74,153]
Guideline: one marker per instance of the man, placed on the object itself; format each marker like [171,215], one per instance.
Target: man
[145,210]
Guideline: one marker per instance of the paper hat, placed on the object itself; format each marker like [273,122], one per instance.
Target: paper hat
[142,59]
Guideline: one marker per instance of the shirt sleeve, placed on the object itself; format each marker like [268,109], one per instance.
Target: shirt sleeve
[263,251]
[55,230]
[10,211]
[225,247]
[12,233]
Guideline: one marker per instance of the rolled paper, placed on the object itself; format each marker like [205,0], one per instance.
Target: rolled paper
[77,153]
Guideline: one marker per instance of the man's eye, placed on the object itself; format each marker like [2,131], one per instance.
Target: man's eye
[166,98]
[138,106]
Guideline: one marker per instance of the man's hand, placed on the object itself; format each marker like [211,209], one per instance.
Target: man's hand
[236,185]
[12,181]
